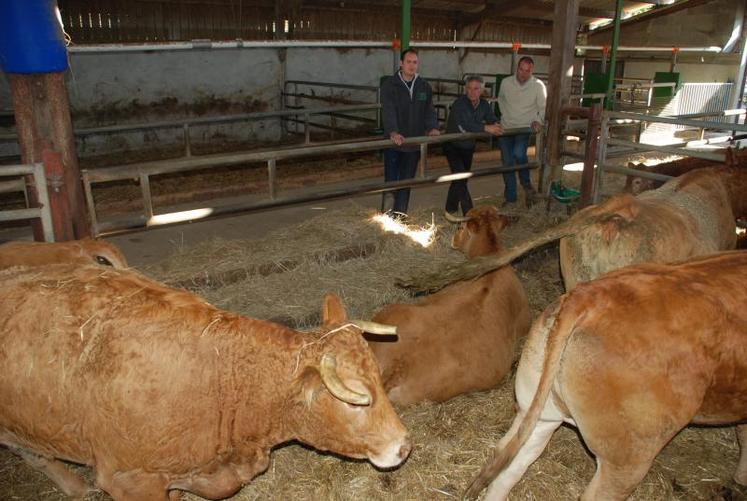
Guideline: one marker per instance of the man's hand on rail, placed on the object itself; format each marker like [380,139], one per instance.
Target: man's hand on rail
[536,126]
[494,129]
[396,138]
[434,132]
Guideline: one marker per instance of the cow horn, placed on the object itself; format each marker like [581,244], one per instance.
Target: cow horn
[455,219]
[375,328]
[328,370]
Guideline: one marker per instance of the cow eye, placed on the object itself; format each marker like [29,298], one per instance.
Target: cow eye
[104,261]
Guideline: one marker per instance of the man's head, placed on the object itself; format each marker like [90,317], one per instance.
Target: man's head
[473,88]
[524,69]
[408,63]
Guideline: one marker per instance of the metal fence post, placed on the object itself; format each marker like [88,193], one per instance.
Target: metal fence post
[271,172]
[423,164]
[604,131]
[187,145]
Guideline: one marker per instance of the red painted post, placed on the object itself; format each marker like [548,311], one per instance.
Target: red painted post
[54,172]
[42,115]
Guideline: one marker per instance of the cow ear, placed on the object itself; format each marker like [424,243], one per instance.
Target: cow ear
[333,312]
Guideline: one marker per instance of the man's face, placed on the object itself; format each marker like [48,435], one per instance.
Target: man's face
[524,71]
[409,65]
[473,89]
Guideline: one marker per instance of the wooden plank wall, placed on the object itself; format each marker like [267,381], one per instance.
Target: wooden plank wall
[130,21]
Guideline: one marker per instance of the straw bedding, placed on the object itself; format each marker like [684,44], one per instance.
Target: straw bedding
[284,276]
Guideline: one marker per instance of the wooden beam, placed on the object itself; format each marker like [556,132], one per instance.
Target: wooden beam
[654,13]
[564,32]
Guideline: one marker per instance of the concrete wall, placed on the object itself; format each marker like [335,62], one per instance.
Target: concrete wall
[691,72]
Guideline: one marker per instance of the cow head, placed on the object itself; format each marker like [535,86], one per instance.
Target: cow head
[339,401]
[103,253]
[636,184]
[479,234]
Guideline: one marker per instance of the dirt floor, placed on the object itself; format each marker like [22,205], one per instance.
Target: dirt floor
[283,277]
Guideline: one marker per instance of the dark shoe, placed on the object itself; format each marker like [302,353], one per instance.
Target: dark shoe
[508,204]
[400,217]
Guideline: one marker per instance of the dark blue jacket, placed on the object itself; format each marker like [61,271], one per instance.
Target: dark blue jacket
[410,116]
[464,117]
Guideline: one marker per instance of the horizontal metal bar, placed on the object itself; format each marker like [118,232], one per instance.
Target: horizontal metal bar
[138,223]
[333,84]
[12,186]
[635,172]
[644,85]
[19,214]
[677,121]
[17,170]
[716,157]
[193,163]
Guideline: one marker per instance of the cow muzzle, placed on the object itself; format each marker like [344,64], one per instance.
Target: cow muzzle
[394,454]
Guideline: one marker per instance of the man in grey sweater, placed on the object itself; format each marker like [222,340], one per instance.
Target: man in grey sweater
[522,101]
[469,113]
[407,111]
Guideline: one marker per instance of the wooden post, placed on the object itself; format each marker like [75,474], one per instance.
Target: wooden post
[564,32]
[590,155]
[42,113]
[59,203]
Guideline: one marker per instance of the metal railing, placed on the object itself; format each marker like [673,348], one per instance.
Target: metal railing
[143,172]
[43,211]
[683,149]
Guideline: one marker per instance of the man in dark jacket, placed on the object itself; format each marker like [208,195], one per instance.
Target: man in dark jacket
[469,113]
[407,111]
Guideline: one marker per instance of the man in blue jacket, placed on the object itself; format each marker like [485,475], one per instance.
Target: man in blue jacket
[407,111]
[469,113]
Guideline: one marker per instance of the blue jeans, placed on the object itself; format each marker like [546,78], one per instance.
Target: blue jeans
[460,160]
[514,152]
[398,166]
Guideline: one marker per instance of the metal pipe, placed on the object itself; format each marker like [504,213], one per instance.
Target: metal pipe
[184,164]
[269,44]
[130,224]
[634,172]
[405,35]
[668,149]
[45,211]
[333,84]
[678,121]
[736,30]
[613,55]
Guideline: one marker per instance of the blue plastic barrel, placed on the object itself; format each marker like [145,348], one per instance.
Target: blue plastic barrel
[31,37]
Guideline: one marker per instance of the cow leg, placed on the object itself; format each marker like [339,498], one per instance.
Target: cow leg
[135,486]
[615,482]
[70,483]
[527,454]
[741,474]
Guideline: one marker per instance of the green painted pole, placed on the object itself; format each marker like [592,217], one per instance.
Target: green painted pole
[406,8]
[613,55]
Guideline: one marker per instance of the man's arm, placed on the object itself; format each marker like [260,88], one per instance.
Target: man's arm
[541,102]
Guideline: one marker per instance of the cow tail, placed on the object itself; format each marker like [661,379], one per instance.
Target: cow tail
[561,329]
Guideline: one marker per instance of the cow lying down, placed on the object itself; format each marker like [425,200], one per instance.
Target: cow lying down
[630,359]
[84,251]
[462,338]
[691,215]
[160,391]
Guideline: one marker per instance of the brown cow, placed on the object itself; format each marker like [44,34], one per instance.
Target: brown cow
[636,185]
[630,359]
[462,338]
[690,215]
[158,390]
[85,251]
